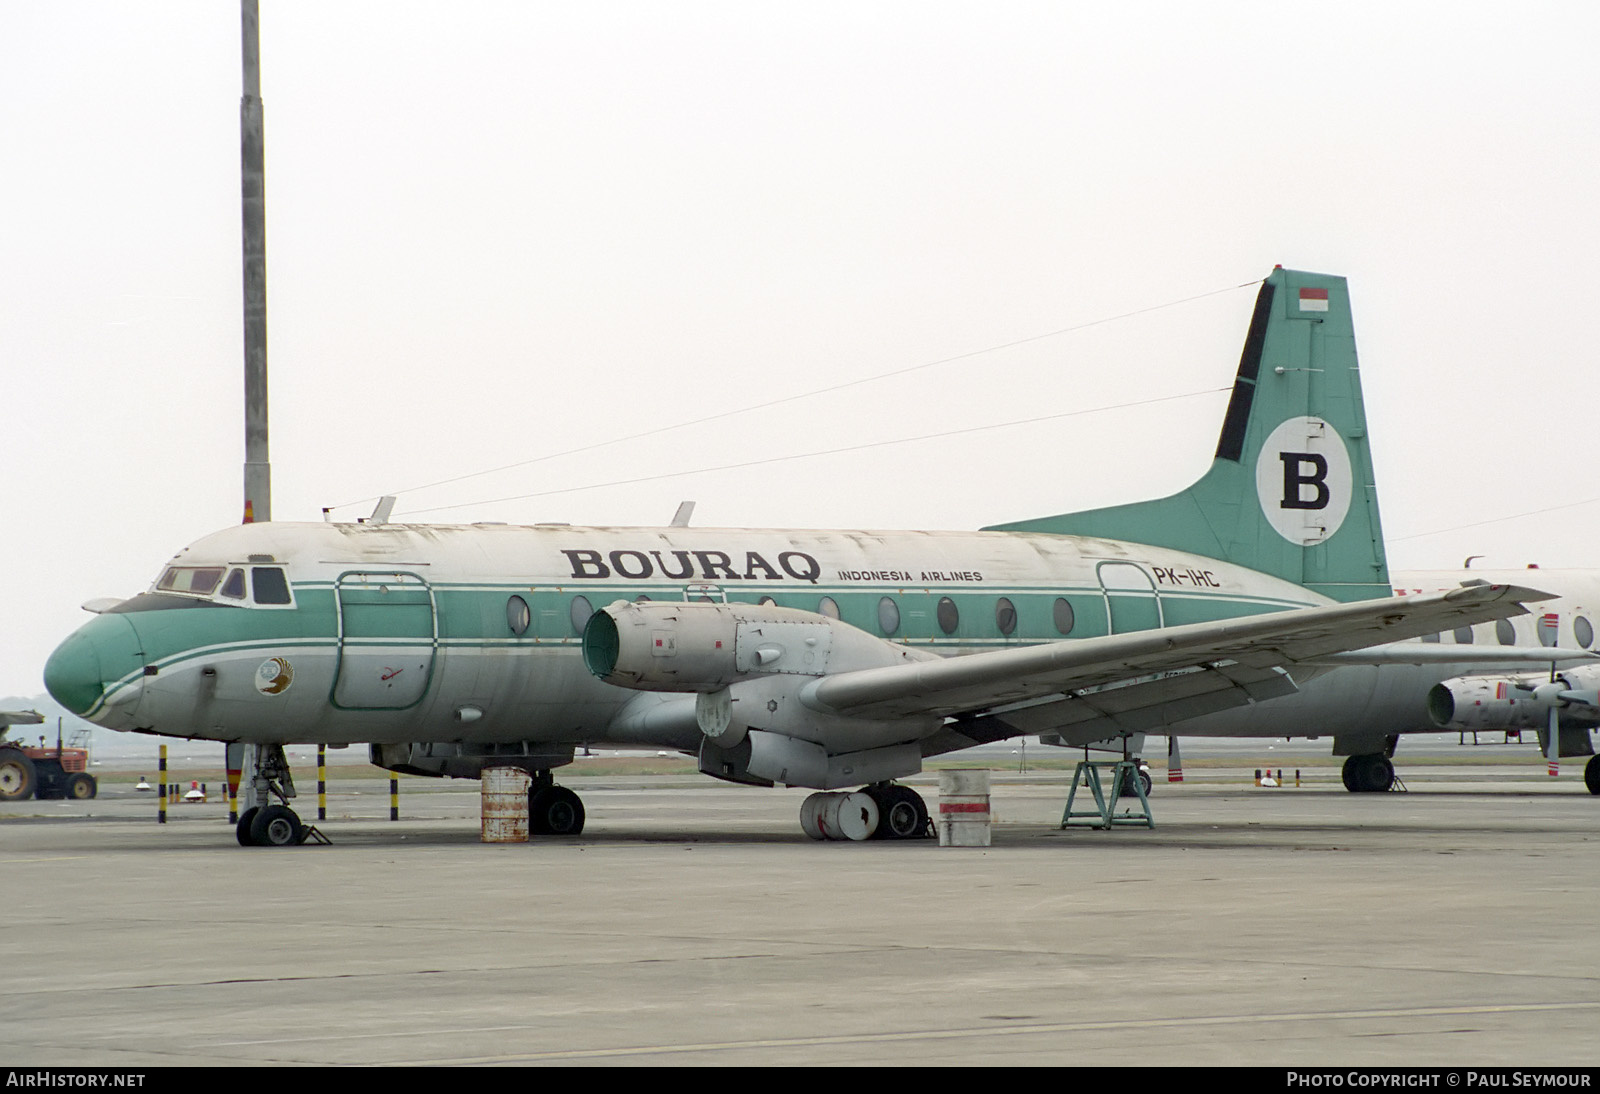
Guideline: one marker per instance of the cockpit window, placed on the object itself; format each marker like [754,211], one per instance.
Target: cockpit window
[269,585]
[233,588]
[193,580]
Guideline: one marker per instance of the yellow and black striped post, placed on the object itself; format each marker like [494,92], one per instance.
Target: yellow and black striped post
[394,797]
[161,796]
[322,782]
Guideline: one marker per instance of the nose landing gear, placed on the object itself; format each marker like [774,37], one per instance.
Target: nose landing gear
[274,825]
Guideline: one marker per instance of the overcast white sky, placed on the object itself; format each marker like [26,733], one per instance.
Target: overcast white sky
[498,231]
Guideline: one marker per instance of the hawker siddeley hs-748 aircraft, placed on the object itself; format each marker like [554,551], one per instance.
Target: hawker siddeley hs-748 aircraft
[820,659]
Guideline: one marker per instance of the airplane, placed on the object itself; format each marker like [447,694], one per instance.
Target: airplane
[1463,679]
[825,659]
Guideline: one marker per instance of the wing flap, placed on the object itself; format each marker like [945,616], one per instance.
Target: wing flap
[1146,706]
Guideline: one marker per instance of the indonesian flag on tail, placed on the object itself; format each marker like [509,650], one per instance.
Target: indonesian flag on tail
[1313,299]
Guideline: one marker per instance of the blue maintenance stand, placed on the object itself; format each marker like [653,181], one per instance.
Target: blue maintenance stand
[1092,774]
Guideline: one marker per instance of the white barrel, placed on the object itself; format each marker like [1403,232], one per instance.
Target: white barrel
[852,816]
[811,814]
[505,804]
[964,815]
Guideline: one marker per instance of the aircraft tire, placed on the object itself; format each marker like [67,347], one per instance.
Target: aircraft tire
[555,811]
[81,787]
[1591,774]
[902,814]
[242,829]
[1126,789]
[1348,773]
[1372,773]
[17,776]
[277,826]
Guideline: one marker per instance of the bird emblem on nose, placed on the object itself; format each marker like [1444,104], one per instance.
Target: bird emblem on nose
[274,676]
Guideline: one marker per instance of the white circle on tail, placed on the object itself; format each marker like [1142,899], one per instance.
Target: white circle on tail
[1303,480]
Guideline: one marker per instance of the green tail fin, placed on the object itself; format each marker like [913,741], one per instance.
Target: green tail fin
[1291,491]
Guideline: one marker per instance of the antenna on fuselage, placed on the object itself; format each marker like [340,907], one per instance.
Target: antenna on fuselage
[680,519]
[380,512]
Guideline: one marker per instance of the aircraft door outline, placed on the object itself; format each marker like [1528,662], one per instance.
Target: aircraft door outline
[388,624]
[1133,603]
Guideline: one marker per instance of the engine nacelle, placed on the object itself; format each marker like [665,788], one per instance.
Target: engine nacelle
[1516,701]
[748,666]
[706,647]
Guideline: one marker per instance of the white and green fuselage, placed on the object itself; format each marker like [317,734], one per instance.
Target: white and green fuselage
[392,633]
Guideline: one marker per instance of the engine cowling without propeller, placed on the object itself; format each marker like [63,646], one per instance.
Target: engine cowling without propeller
[706,647]
[1501,701]
[747,666]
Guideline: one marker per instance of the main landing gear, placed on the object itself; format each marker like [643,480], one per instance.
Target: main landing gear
[1591,774]
[1369,773]
[553,810]
[880,811]
[274,825]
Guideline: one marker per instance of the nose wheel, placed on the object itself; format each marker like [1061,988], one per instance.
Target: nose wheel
[271,826]
[274,825]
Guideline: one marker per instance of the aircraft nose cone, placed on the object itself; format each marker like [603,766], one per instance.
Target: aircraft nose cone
[98,654]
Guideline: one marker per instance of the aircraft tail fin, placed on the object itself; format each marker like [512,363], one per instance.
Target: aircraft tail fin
[1291,490]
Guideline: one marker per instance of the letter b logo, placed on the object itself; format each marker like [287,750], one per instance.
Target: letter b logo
[1304,481]
[1300,470]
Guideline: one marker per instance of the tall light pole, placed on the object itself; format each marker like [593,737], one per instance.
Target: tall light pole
[257,468]
[244,761]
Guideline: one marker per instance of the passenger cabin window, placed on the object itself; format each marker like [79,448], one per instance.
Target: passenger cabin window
[1065,620]
[1005,616]
[1583,631]
[1505,633]
[269,585]
[888,615]
[1463,636]
[581,610]
[518,617]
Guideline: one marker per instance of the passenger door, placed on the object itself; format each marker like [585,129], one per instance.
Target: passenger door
[388,640]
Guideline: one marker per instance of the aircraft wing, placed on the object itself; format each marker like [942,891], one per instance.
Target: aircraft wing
[1415,653]
[1171,663]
